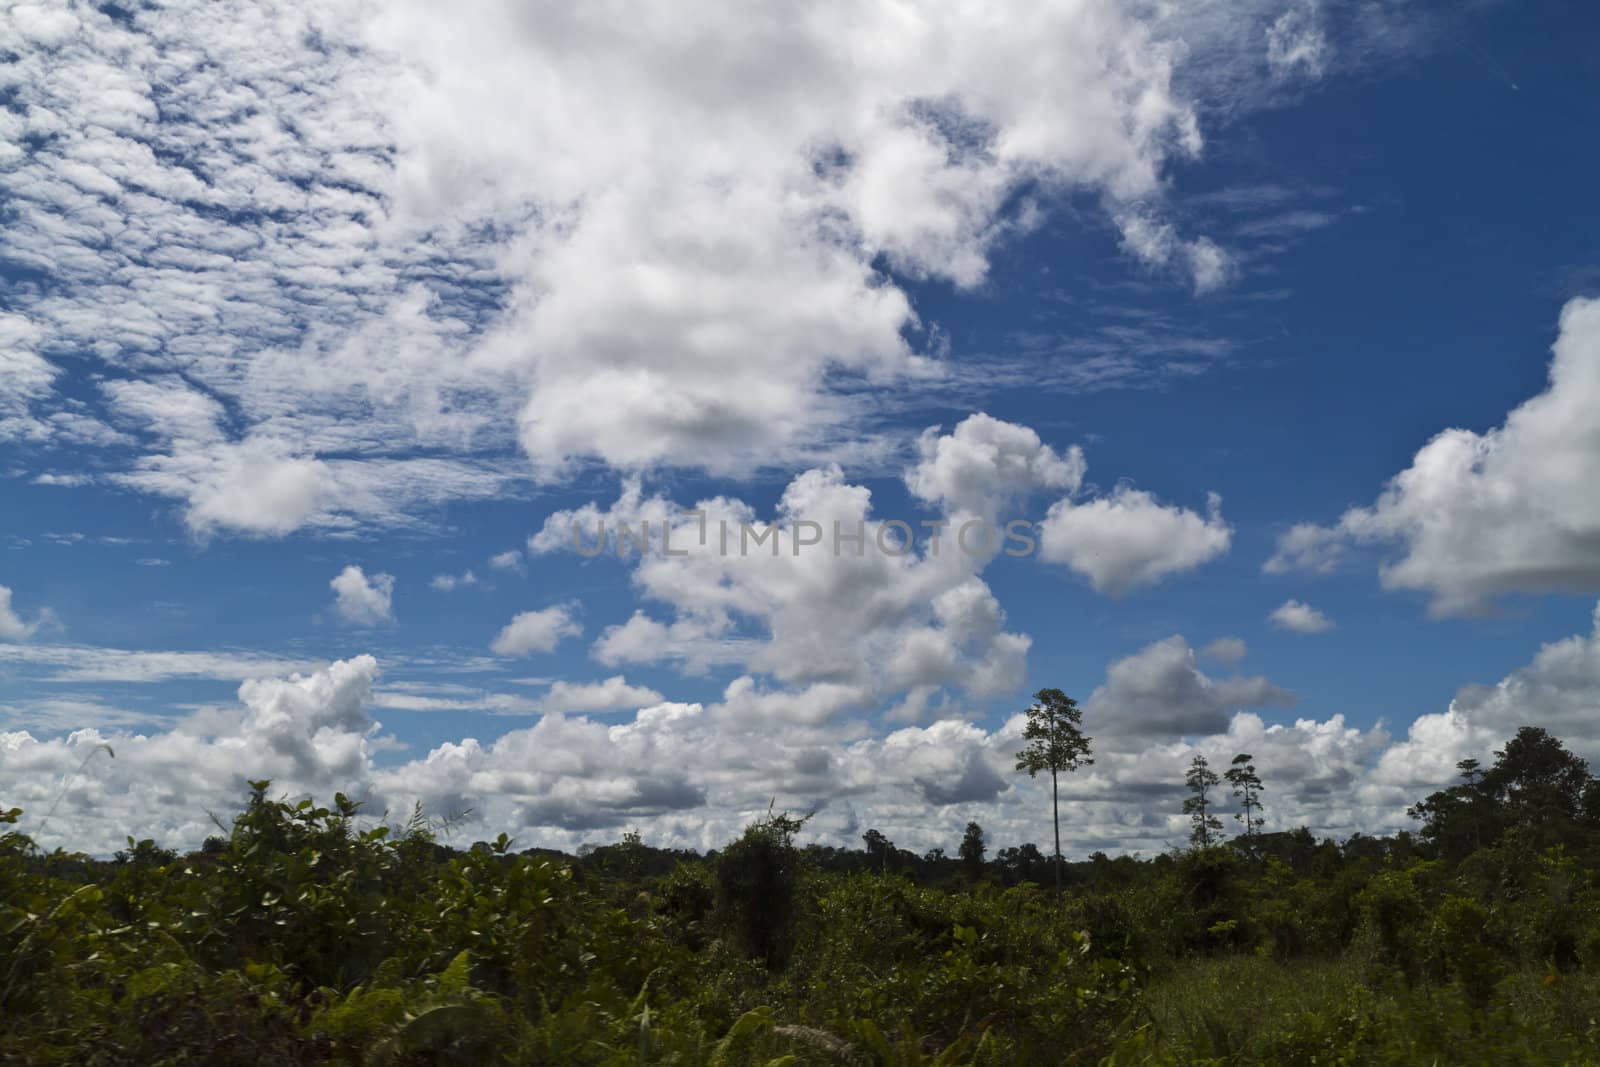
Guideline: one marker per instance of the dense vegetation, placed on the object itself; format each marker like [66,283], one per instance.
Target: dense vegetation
[308,935]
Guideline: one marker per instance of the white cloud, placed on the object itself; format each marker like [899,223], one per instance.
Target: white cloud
[306,733]
[885,620]
[447,698]
[509,560]
[258,486]
[1226,650]
[743,700]
[361,600]
[535,631]
[12,627]
[449,583]
[368,262]
[985,463]
[79,663]
[1305,546]
[63,713]
[851,627]
[1157,243]
[1159,691]
[1296,44]
[371,260]
[317,721]
[1512,509]
[1300,617]
[687,774]
[690,774]
[1118,541]
[1559,691]
[1129,539]
[612,694]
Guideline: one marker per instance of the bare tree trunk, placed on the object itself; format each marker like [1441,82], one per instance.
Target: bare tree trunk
[1055,816]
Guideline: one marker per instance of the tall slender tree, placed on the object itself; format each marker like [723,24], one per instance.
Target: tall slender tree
[1055,743]
[1247,788]
[1202,824]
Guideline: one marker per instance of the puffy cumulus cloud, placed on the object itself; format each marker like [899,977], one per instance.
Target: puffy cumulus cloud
[1129,538]
[256,486]
[318,723]
[1315,773]
[707,295]
[1319,772]
[842,611]
[393,246]
[308,733]
[823,592]
[744,700]
[950,762]
[986,463]
[1559,691]
[12,626]
[592,530]
[691,774]
[1161,691]
[1118,541]
[564,774]
[363,600]
[1508,510]
[612,694]
[1426,758]
[690,778]
[1300,617]
[685,774]
[535,631]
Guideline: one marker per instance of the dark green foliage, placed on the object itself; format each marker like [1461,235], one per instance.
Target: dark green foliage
[1204,827]
[757,879]
[311,934]
[1246,787]
[880,850]
[1023,863]
[1055,743]
[1535,786]
[972,850]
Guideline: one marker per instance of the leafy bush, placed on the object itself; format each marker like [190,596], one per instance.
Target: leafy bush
[308,934]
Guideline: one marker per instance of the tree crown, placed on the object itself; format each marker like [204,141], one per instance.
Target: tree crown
[1055,740]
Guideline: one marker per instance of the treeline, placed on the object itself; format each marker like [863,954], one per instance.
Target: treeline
[1535,787]
[308,935]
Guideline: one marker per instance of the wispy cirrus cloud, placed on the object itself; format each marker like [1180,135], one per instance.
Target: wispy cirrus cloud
[83,663]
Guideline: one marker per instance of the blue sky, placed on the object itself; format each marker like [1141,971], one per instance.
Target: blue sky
[404,293]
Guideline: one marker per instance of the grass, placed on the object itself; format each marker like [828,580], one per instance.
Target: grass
[1252,1010]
